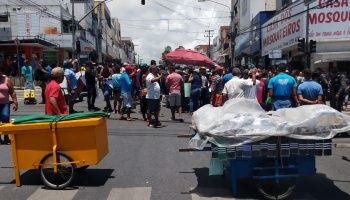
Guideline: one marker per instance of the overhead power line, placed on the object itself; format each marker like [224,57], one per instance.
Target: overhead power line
[170,19]
[198,8]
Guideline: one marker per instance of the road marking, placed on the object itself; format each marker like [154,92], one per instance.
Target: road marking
[211,194]
[197,197]
[137,193]
[48,194]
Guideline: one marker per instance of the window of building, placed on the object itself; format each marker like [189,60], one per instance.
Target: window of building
[4,18]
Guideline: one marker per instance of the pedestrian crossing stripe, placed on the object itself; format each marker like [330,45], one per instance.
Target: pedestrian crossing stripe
[48,194]
[137,193]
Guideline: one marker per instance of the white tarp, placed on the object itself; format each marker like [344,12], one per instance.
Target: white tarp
[242,121]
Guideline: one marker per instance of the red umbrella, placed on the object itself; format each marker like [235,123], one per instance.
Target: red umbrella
[189,57]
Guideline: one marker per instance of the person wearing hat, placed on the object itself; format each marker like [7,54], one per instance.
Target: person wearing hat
[153,95]
[55,103]
[126,88]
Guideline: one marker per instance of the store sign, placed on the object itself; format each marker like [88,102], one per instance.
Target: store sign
[27,25]
[33,24]
[275,54]
[284,29]
[49,25]
[331,21]
[64,41]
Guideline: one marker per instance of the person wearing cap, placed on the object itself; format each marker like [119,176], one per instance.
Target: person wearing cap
[126,88]
[196,85]
[217,87]
[153,96]
[55,103]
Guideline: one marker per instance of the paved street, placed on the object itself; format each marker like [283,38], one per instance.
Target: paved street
[144,163]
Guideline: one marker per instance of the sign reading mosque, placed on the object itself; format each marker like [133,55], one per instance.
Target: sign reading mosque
[328,20]
[331,21]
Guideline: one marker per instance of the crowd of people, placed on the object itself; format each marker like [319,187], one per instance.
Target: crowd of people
[177,87]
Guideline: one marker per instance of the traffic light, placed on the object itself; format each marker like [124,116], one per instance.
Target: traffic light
[301,44]
[312,46]
[77,46]
[143,2]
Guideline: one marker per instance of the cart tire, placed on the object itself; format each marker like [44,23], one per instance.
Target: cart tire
[82,168]
[65,172]
[273,190]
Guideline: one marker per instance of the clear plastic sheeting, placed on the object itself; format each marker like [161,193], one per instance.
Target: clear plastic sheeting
[242,121]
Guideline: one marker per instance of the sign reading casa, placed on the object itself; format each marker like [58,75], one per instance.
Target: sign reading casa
[331,21]
[283,30]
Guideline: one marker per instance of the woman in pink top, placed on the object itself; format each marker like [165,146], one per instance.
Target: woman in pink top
[6,90]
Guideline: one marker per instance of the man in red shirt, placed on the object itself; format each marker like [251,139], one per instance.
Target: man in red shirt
[174,82]
[54,97]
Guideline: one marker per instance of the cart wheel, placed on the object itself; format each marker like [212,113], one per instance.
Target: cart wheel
[64,175]
[276,189]
[82,168]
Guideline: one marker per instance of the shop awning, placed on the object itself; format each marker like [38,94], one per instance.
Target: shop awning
[331,56]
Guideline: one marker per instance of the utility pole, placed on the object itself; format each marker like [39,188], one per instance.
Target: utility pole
[307,49]
[209,36]
[233,33]
[99,40]
[73,32]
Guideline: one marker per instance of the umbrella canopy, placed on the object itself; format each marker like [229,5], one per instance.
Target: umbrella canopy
[189,57]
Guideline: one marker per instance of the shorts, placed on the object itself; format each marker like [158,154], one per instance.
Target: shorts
[127,100]
[217,100]
[175,99]
[117,94]
[153,106]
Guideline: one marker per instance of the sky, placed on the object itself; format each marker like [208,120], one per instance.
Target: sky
[162,23]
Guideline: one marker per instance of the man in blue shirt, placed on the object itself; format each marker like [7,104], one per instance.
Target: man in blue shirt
[125,88]
[116,90]
[72,87]
[309,92]
[28,74]
[282,88]
[228,76]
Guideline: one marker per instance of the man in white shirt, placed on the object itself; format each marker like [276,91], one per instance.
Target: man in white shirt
[237,87]
[153,96]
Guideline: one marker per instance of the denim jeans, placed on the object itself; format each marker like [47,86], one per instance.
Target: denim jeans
[5,113]
[107,95]
[278,104]
[195,97]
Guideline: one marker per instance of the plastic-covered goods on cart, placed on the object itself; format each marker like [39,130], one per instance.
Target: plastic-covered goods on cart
[242,121]
[57,146]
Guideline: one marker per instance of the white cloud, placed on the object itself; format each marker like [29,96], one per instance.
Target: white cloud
[153,36]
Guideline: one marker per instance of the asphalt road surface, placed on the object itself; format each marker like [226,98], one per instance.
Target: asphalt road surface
[144,163]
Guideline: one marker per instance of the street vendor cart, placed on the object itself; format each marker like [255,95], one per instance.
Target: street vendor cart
[270,148]
[273,164]
[57,146]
